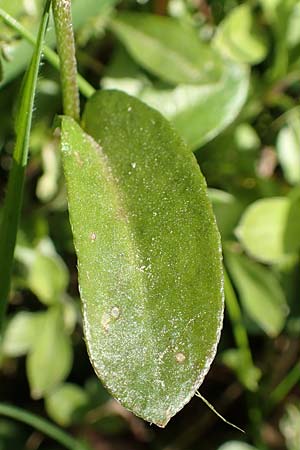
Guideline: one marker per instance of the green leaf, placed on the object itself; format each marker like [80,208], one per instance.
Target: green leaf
[71,313]
[67,404]
[276,10]
[288,148]
[293,31]
[47,278]
[289,425]
[148,254]
[13,199]
[21,333]
[198,112]
[278,13]
[237,39]
[48,183]
[246,137]
[46,275]
[227,210]
[168,48]
[260,293]
[50,359]
[268,229]
[236,445]
[234,358]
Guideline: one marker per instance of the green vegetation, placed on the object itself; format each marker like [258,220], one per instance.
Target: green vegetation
[181,85]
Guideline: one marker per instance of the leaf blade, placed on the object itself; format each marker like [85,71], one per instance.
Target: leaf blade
[13,199]
[199,112]
[147,298]
[168,48]
[260,293]
[50,359]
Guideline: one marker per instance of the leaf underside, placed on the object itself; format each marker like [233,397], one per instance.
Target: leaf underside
[148,251]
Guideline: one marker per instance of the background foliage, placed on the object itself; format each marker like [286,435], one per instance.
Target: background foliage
[242,119]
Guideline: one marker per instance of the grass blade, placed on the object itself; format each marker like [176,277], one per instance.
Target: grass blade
[42,425]
[14,195]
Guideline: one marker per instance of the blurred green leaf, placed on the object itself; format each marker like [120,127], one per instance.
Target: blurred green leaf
[269,229]
[21,333]
[293,30]
[98,395]
[288,148]
[50,359]
[278,14]
[83,10]
[12,436]
[234,358]
[237,38]
[198,112]
[227,210]
[71,313]
[153,237]
[276,9]
[67,404]
[259,291]
[47,185]
[48,278]
[13,7]
[246,137]
[236,445]
[168,48]
[289,426]
[46,274]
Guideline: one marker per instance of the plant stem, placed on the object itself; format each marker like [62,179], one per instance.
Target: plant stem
[84,86]
[66,51]
[14,196]
[239,331]
[283,388]
[42,425]
[235,315]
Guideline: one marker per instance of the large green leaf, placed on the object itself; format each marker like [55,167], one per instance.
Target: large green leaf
[168,48]
[198,112]
[148,252]
[260,293]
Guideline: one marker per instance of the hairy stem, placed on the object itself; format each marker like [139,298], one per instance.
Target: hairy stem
[66,51]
